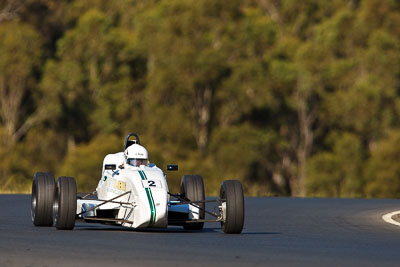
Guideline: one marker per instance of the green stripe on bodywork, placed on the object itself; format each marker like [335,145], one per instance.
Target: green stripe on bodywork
[141,175]
[150,198]
[152,207]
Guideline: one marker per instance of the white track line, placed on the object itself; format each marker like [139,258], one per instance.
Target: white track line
[388,218]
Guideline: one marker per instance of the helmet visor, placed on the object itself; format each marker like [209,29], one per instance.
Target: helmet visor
[137,162]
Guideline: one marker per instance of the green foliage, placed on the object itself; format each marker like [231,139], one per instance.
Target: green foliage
[84,162]
[289,97]
[337,173]
[235,152]
[383,171]
[20,50]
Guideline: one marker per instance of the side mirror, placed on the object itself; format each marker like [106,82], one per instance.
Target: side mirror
[110,167]
[172,167]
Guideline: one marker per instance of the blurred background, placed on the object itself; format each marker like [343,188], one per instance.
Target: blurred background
[293,98]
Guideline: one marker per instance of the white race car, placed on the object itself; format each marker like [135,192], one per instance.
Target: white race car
[133,193]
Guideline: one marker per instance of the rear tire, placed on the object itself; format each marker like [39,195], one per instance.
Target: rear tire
[64,207]
[192,187]
[232,193]
[43,187]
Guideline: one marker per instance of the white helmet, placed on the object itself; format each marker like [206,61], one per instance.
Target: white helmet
[136,155]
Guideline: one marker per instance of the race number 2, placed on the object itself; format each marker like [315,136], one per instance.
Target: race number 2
[151,184]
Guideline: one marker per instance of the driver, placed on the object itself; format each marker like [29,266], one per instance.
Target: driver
[136,155]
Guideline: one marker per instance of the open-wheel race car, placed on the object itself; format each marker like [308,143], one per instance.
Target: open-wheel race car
[134,193]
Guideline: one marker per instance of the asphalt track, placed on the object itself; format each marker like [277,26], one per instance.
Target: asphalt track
[277,232]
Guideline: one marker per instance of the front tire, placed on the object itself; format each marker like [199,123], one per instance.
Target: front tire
[43,187]
[232,201]
[64,207]
[192,187]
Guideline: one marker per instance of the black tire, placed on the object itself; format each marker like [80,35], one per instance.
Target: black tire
[231,193]
[43,187]
[192,187]
[64,207]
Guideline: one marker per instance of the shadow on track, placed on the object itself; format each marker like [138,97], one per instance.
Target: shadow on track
[260,233]
[170,230]
[146,230]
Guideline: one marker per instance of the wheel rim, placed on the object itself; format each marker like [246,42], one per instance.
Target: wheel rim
[222,196]
[55,205]
[33,201]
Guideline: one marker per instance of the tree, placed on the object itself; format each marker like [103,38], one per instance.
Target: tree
[20,47]
[9,10]
[290,97]
[84,161]
[92,80]
[339,172]
[383,172]
[185,62]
